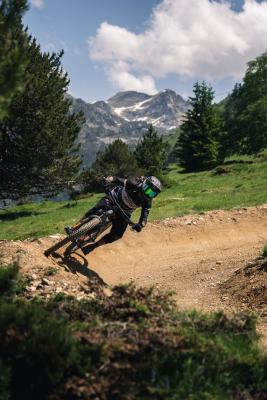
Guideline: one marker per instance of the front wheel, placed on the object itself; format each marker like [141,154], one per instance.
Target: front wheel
[85,228]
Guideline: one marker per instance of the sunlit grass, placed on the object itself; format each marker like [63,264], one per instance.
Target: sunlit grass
[243,184]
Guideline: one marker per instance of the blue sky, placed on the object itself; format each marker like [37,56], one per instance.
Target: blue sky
[149,45]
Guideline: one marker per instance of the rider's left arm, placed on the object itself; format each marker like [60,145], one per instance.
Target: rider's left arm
[144,214]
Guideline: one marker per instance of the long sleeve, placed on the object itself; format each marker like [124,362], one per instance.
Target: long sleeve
[119,181]
[130,196]
[144,213]
[129,184]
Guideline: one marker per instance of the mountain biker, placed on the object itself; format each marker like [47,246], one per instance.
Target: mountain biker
[129,194]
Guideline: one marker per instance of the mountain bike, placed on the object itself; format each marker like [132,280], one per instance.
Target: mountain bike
[91,228]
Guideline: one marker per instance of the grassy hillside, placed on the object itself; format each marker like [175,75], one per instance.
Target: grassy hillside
[239,182]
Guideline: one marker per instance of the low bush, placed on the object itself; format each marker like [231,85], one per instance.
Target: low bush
[131,344]
[222,170]
[36,350]
[10,280]
[261,156]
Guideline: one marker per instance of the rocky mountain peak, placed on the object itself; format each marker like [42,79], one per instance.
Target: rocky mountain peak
[127,115]
[127,99]
[169,92]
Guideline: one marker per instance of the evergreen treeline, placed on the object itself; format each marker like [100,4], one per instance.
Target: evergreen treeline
[209,132]
[245,111]
[115,160]
[37,130]
[239,126]
[151,152]
[118,160]
[199,144]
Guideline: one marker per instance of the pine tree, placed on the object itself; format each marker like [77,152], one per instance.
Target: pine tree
[115,160]
[199,144]
[230,115]
[13,59]
[37,137]
[246,111]
[151,152]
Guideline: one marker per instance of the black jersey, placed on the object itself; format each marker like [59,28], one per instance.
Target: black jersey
[129,195]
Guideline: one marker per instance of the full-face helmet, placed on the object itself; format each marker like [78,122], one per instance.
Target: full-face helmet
[151,187]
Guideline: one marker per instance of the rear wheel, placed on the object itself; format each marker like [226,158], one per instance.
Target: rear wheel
[85,228]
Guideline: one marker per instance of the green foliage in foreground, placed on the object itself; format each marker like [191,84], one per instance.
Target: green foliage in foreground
[240,182]
[132,344]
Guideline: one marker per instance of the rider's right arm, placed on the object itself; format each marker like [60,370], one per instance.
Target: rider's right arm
[119,181]
[130,183]
[133,183]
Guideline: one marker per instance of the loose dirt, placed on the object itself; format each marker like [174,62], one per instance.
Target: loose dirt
[198,257]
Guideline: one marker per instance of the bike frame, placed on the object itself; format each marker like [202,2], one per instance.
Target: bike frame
[94,229]
[106,218]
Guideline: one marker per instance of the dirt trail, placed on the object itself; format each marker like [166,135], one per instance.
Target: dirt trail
[190,255]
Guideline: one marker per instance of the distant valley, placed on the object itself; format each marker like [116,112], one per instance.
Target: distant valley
[127,116]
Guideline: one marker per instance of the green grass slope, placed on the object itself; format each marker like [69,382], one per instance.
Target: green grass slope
[239,182]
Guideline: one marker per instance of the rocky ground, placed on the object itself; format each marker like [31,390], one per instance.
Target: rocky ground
[211,262]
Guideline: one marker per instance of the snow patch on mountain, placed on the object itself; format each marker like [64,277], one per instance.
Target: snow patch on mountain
[126,115]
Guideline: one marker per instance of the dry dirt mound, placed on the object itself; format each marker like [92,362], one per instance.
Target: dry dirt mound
[248,286]
[48,276]
[246,289]
[192,256]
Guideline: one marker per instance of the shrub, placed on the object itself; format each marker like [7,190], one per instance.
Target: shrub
[130,344]
[8,278]
[222,170]
[51,271]
[36,350]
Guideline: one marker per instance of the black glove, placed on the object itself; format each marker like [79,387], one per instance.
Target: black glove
[137,227]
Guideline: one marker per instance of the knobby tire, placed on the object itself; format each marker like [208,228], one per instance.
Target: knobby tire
[83,229]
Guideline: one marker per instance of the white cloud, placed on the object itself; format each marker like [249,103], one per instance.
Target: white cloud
[193,38]
[38,3]
[120,76]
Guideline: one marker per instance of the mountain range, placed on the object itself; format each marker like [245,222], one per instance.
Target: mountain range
[126,115]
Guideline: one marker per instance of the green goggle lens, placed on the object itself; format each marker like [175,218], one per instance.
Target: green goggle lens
[150,192]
